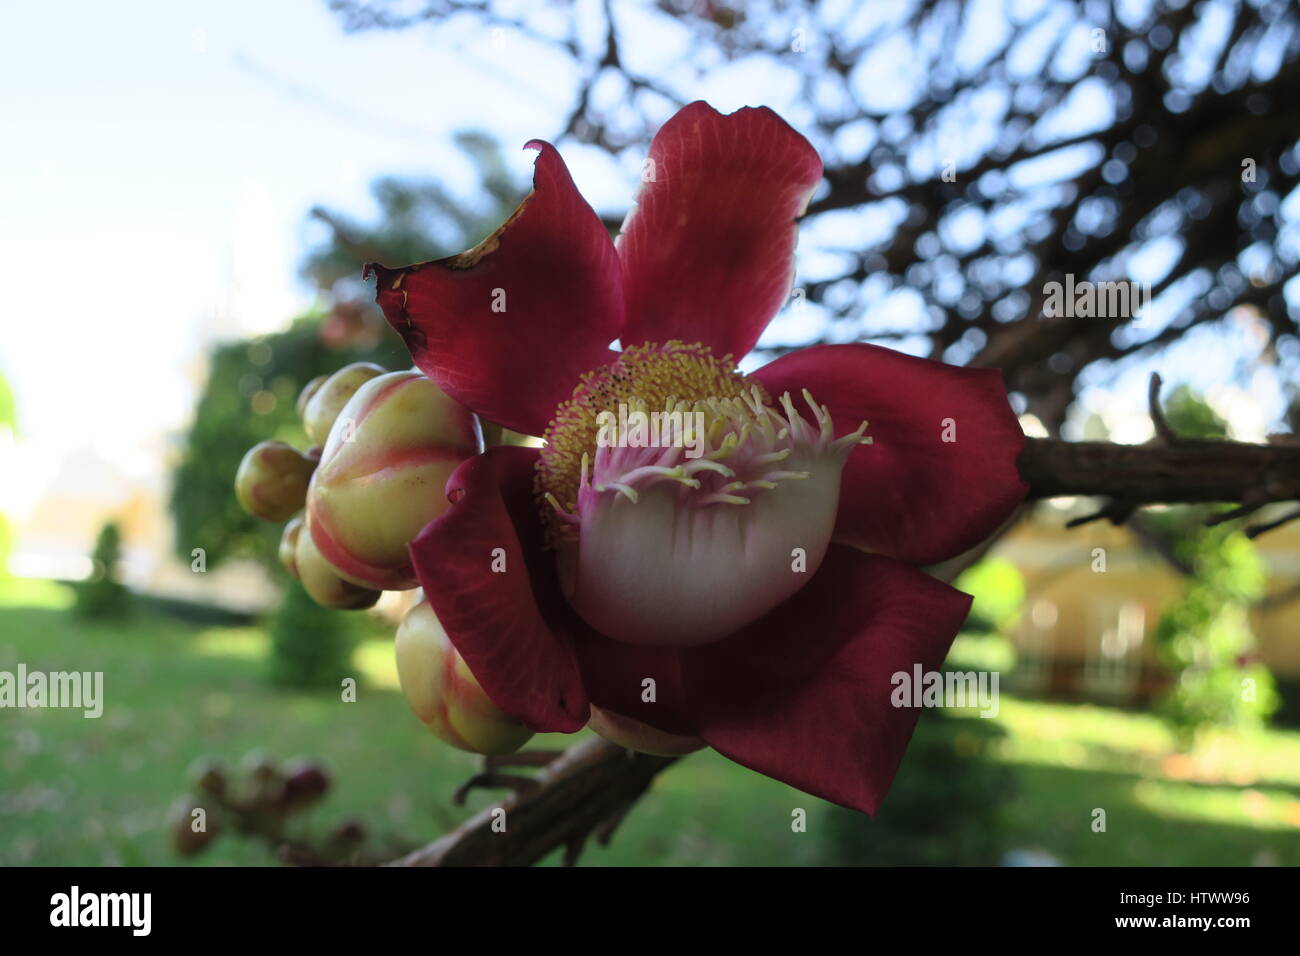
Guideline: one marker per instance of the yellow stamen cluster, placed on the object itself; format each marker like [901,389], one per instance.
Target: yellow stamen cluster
[650,376]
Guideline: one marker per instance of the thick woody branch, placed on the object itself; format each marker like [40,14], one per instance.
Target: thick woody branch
[584,792]
[1184,472]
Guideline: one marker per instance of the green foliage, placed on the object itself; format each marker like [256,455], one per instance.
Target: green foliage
[944,809]
[8,406]
[1204,636]
[418,220]
[1206,639]
[1288,710]
[981,652]
[999,591]
[311,646]
[1191,416]
[102,596]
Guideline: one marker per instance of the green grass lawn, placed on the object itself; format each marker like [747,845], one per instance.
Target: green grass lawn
[78,791]
[1233,801]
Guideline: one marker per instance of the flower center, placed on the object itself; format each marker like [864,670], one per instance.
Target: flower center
[684,503]
[645,378]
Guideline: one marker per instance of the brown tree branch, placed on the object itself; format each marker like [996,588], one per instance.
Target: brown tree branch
[1188,471]
[586,790]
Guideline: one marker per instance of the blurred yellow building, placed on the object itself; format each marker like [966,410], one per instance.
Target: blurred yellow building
[1094,595]
[82,491]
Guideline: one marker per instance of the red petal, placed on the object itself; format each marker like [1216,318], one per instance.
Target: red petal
[804,695]
[910,494]
[508,327]
[614,674]
[501,621]
[708,252]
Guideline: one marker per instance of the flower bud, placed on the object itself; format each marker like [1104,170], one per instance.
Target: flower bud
[639,736]
[305,784]
[322,406]
[208,777]
[272,480]
[347,835]
[382,475]
[321,581]
[288,552]
[259,765]
[443,692]
[191,832]
[308,390]
[264,787]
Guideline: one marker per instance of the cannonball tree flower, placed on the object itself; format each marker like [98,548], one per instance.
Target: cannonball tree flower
[754,590]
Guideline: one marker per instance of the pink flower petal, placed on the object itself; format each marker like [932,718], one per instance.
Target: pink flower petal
[708,252]
[804,695]
[501,620]
[912,494]
[508,327]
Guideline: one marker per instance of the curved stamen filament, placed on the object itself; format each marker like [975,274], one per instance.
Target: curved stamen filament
[717,438]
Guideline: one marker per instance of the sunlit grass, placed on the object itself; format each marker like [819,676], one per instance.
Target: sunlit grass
[96,791]
[377,663]
[373,657]
[34,592]
[1233,800]
[1264,809]
[1121,731]
[240,643]
[1079,735]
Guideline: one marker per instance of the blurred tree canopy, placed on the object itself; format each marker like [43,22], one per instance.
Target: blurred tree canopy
[311,646]
[976,152]
[1191,416]
[102,596]
[999,591]
[1204,636]
[252,386]
[419,220]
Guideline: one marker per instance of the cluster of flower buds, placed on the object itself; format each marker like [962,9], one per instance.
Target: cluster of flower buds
[383,446]
[258,798]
